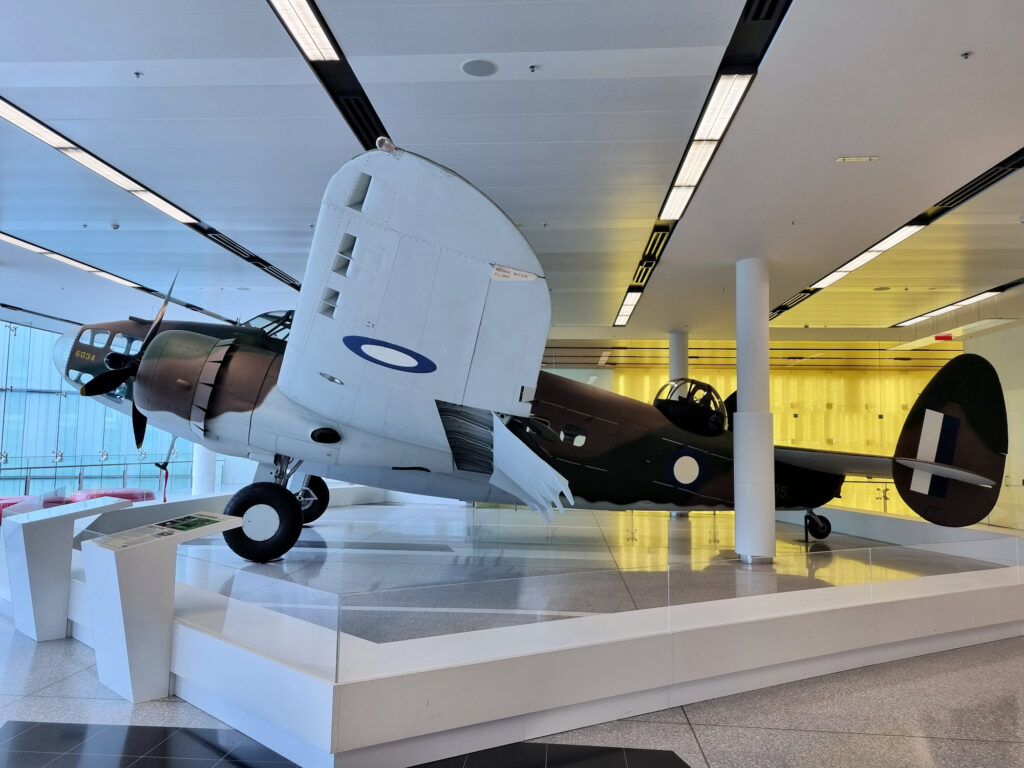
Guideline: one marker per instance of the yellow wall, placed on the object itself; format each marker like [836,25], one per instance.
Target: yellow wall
[834,410]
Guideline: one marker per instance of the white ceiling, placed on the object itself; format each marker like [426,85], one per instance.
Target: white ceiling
[228,122]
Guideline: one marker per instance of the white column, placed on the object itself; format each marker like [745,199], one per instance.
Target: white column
[753,441]
[204,470]
[678,354]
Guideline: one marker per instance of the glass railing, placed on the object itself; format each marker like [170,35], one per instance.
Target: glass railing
[325,609]
[31,475]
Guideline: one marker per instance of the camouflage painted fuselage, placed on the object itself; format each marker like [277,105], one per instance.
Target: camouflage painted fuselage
[215,385]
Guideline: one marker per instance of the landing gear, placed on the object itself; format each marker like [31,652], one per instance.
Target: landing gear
[271,522]
[313,498]
[272,516]
[816,525]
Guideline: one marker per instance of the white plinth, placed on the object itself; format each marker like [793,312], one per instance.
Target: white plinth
[130,581]
[38,546]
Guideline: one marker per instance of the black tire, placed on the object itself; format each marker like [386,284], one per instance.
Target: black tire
[272,545]
[313,499]
[819,527]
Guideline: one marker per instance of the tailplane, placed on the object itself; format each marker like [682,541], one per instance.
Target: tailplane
[951,453]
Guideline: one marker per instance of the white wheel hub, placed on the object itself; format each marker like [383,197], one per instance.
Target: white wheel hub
[260,522]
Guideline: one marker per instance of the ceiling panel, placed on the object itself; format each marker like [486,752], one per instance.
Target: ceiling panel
[579,151]
[226,120]
[870,78]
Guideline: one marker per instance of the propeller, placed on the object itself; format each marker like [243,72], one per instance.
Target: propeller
[125,367]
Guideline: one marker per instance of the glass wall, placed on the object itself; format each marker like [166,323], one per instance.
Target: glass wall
[52,437]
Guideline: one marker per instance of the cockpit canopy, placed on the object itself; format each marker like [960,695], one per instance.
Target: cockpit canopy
[274,324]
[693,405]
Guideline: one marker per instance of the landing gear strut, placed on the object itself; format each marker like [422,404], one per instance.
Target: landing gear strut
[272,516]
[816,525]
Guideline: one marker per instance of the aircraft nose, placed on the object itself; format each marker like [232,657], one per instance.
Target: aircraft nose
[62,351]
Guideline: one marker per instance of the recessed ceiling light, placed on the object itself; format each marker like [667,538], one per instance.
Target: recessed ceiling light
[856,158]
[305,29]
[479,67]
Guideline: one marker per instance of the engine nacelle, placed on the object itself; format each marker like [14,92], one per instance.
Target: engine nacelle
[187,379]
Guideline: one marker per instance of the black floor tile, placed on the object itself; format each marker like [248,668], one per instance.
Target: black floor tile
[174,762]
[13,728]
[134,740]
[78,760]
[26,759]
[53,737]
[521,755]
[572,756]
[193,743]
[448,762]
[653,758]
[243,749]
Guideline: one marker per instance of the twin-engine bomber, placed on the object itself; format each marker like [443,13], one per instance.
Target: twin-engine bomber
[412,362]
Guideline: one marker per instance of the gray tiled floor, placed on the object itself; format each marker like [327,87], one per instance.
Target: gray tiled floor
[961,708]
[396,572]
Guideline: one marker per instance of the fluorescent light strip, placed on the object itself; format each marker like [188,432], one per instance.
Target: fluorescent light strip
[96,165]
[163,206]
[725,98]
[974,299]
[22,244]
[604,357]
[303,25]
[948,308]
[30,125]
[827,281]
[698,155]
[678,199]
[116,279]
[626,308]
[860,261]
[69,262]
[897,237]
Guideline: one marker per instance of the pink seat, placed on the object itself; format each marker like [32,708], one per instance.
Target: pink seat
[132,494]
[48,501]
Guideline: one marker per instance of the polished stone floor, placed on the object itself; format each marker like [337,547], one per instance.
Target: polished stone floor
[403,571]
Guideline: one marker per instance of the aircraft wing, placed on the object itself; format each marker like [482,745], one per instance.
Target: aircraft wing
[418,290]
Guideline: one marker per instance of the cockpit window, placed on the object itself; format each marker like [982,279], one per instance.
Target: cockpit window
[274,324]
[94,337]
[692,405]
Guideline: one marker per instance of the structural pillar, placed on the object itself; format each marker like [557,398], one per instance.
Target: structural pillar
[678,354]
[753,439]
[204,470]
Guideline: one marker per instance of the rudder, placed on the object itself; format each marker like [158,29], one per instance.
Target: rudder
[957,426]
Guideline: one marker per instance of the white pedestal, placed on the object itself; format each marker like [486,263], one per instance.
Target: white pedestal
[38,546]
[130,580]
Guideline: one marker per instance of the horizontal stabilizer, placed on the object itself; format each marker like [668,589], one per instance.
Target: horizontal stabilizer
[521,472]
[947,471]
[836,462]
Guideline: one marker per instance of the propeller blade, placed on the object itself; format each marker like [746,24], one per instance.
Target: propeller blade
[154,329]
[138,425]
[108,381]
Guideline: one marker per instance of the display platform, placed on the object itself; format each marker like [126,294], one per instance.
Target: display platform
[396,634]
[400,633]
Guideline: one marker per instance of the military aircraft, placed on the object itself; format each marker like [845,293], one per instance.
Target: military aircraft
[412,362]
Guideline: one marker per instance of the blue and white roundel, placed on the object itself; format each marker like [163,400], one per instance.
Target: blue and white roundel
[389,355]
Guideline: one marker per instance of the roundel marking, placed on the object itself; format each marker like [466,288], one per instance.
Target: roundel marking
[389,355]
[685,470]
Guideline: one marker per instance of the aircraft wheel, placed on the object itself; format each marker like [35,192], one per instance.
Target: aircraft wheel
[313,499]
[818,526]
[271,522]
